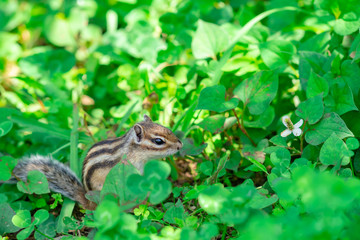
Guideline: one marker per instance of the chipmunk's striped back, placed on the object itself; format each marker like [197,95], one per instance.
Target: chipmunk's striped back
[145,141]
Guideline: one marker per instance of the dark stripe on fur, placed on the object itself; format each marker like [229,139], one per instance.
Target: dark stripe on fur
[106,150]
[93,168]
[154,149]
[100,152]
[104,142]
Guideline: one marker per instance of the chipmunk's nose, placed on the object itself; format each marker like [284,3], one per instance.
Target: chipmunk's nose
[180,145]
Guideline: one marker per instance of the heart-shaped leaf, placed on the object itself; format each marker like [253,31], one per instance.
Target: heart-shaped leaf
[330,123]
[36,183]
[7,164]
[213,99]
[316,85]
[311,110]
[209,40]
[22,219]
[333,151]
[258,91]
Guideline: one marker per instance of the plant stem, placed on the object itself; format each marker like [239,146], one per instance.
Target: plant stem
[43,234]
[224,232]
[243,129]
[229,137]
[74,138]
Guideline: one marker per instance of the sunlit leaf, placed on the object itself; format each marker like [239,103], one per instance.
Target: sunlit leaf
[209,40]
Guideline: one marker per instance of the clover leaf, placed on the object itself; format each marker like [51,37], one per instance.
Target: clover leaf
[36,183]
[153,181]
[22,219]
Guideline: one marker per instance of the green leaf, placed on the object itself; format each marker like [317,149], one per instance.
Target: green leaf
[190,149]
[345,173]
[278,140]
[160,192]
[330,123]
[258,91]
[207,168]
[239,34]
[281,157]
[213,99]
[351,120]
[311,110]
[6,215]
[41,216]
[47,228]
[311,152]
[5,127]
[115,182]
[154,181]
[47,63]
[316,43]
[22,219]
[350,71]
[234,161]
[316,85]
[175,211]
[58,31]
[157,168]
[36,183]
[25,233]
[240,63]
[352,143]
[346,27]
[277,53]
[260,121]
[7,164]
[333,150]
[209,40]
[219,170]
[355,49]
[107,214]
[257,164]
[313,62]
[213,124]
[340,99]
[213,198]
[259,201]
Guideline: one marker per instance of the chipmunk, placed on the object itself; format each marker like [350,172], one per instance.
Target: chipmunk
[146,140]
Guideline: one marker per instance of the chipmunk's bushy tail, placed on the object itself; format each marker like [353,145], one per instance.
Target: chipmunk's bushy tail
[60,177]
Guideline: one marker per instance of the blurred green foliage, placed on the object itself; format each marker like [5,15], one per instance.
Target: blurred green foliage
[221,75]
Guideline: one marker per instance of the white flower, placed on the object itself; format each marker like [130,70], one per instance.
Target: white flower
[291,128]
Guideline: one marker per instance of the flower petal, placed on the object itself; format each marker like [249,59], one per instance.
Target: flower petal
[283,119]
[285,133]
[297,132]
[299,123]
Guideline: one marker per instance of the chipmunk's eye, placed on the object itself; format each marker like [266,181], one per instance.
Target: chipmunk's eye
[158,141]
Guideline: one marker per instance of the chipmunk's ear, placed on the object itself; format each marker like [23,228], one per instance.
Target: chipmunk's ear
[147,118]
[139,132]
